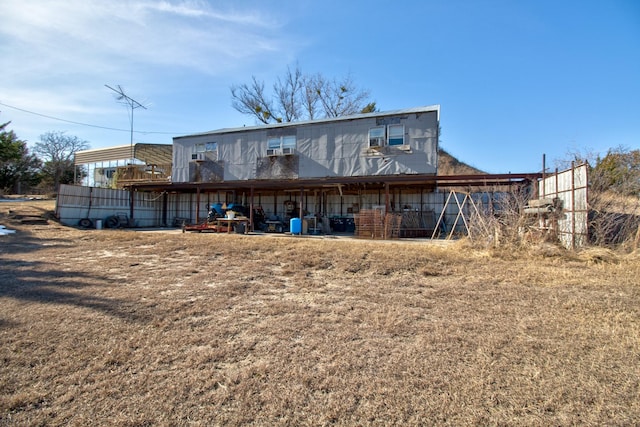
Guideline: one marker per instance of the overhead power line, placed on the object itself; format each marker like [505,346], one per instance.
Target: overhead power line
[91,125]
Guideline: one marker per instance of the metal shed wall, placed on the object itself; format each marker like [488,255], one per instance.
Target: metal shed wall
[75,203]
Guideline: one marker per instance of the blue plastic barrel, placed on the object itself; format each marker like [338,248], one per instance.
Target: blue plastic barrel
[295,225]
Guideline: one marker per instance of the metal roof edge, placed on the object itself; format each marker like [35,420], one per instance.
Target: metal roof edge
[479,180]
[425,109]
[95,150]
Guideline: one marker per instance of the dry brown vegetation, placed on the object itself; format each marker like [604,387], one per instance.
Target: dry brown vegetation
[450,165]
[116,327]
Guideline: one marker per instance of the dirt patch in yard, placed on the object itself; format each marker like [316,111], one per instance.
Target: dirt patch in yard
[114,327]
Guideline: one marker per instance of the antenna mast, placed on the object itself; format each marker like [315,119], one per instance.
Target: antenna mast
[130,102]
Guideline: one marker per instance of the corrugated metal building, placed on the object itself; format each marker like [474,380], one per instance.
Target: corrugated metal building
[329,168]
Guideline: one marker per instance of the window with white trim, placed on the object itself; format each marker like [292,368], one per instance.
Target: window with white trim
[210,148]
[376,136]
[396,135]
[274,143]
[281,145]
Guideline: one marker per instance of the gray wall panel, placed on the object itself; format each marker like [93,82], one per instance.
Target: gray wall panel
[324,148]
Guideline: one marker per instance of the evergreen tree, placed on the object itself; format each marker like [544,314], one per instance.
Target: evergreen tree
[18,168]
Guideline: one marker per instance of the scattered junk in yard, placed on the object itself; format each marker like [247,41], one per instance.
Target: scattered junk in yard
[34,220]
[28,219]
[547,211]
[222,218]
[376,224]
[119,220]
[281,223]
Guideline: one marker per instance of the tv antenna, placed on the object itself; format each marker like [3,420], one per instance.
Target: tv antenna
[123,98]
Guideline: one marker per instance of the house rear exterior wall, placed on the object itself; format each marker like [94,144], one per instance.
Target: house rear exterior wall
[323,149]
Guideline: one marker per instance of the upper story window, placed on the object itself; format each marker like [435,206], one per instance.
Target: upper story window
[210,148]
[396,134]
[376,136]
[277,145]
[274,143]
[289,141]
[392,135]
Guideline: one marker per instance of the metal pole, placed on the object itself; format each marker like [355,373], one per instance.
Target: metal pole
[131,140]
[573,206]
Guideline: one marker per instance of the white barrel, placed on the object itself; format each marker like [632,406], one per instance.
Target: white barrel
[98,224]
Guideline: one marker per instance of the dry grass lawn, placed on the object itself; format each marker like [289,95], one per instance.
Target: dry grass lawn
[117,327]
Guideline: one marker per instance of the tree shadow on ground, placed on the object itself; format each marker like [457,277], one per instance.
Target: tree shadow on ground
[24,241]
[40,282]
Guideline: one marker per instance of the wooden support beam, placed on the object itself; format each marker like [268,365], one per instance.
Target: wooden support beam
[251,210]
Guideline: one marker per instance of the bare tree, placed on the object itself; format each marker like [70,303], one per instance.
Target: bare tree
[299,96]
[251,100]
[57,150]
[310,98]
[288,97]
[340,97]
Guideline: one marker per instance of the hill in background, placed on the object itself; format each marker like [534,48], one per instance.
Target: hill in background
[449,165]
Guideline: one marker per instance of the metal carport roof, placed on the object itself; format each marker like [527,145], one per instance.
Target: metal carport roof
[158,154]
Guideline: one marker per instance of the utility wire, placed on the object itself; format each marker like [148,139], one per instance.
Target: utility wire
[90,125]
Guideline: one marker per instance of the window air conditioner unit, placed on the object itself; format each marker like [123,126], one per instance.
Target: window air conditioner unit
[273,152]
[376,142]
[198,157]
[287,151]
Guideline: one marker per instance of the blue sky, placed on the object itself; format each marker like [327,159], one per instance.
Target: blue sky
[514,79]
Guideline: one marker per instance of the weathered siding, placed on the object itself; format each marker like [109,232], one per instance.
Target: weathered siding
[75,203]
[325,148]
